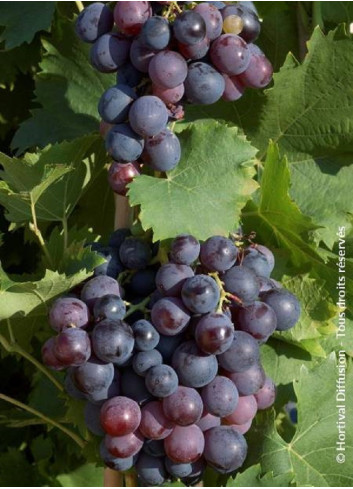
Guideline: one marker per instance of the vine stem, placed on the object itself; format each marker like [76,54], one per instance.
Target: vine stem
[141,306]
[79,6]
[33,226]
[71,434]
[13,347]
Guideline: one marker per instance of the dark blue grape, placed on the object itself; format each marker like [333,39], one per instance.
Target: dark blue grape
[251,24]
[243,353]
[214,333]
[195,51]
[177,470]
[146,336]
[185,249]
[285,305]
[257,319]
[155,33]
[98,287]
[94,378]
[144,360]
[213,19]
[243,283]
[113,341]
[218,254]
[109,52]
[257,262]
[142,282]
[161,381]
[168,344]
[148,116]
[194,368]
[203,85]
[171,277]
[118,237]
[169,316]
[168,69]
[123,144]
[220,397]
[71,388]
[162,152]
[114,104]
[141,56]
[92,418]
[129,75]
[109,307]
[200,294]
[94,21]
[249,381]
[135,254]
[112,266]
[225,449]
[189,27]
[154,448]
[133,386]
[151,470]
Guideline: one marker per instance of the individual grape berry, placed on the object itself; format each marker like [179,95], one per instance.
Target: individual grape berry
[130,16]
[113,341]
[114,104]
[184,249]
[123,144]
[203,85]
[214,333]
[220,397]
[155,33]
[161,381]
[285,305]
[233,89]
[115,463]
[94,21]
[251,24]
[184,407]
[92,418]
[249,381]
[218,254]
[151,470]
[208,421]
[169,316]
[129,75]
[148,116]
[177,470]
[171,277]
[169,95]
[120,416]
[195,51]
[118,237]
[267,284]
[200,294]
[258,74]
[242,428]
[242,282]
[144,360]
[142,282]
[48,356]
[141,56]
[265,397]
[112,265]
[109,307]
[121,174]
[133,386]
[244,412]
[94,378]
[189,27]
[230,54]
[233,24]
[146,336]
[257,319]
[213,19]
[124,446]
[243,353]
[154,448]
[72,347]
[110,52]
[194,368]
[258,262]
[154,423]
[67,312]
[163,151]
[225,449]
[185,444]
[135,254]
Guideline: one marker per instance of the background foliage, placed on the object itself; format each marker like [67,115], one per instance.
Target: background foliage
[280,162]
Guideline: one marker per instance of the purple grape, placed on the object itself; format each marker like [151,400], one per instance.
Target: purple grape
[161,381]
[146,336]
[203,85]
[243,353]
[218,254]
[258,74]
[155,33]
[169,316]
[112,266]
[225,449]
[189,27]
[208,421]
[72,347]
[230,54]
[109,307]
[200,294]
[251,24]
[110,52]
[130,16]
[285,305]
[220,397]
[258,319]
[242,282]
[94,378]
[92,419]
[171,277]
[213,19]
[244,412]
[48,356]
[154,423]
[135,254]
[144,360]
[242,428]
[184,407]
[123,144]
[214,333]
[95,20]
[267,284]
[249,381]
[185,444]
[120,416]
[195,51]
[169,95]
[124,446]
[184,249]
[115,463]
[141,56]
[163,151]
[113,341]
[120,175]
[114,104]
[148,116]
[265,397]
[67,312]
[98,287]
[233,90]
[194,368]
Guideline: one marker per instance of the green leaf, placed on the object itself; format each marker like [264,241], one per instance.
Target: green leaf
[252,478]
[311,454]
[13,62]
[22,20]
[188,200]
[85,476]
[14,466]
[337,12]
[67,89]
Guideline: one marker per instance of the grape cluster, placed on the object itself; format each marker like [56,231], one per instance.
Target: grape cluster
[167,357]
[167,54]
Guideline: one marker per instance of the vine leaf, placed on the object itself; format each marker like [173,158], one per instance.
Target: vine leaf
[311,454]
[252,477]
[206,192]
[38,16]
[88,475]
